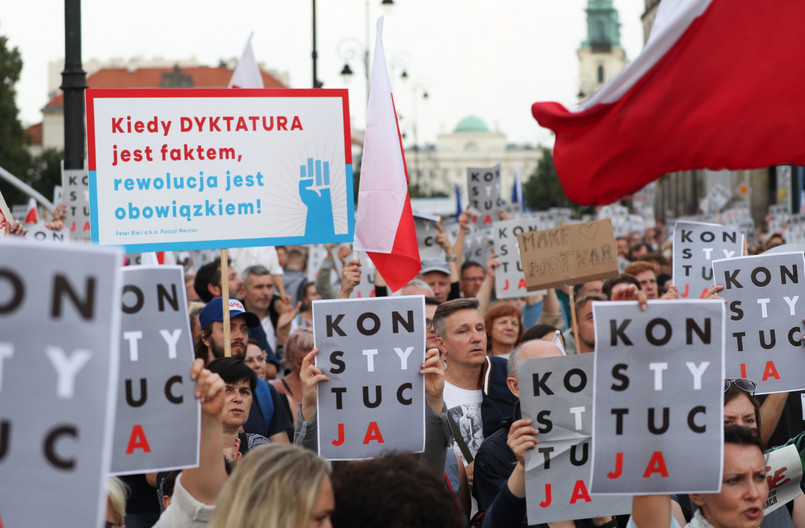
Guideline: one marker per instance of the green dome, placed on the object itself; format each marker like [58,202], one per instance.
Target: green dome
[472,124]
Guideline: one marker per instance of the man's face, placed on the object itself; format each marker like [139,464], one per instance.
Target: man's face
[235,283]
[464,342]
[471,280]
[237,403]
[637,253]
[586,326]
[439,283]
[623,248]
[259,293]
[430,341]
[648,283]
[591,287]
[239,337]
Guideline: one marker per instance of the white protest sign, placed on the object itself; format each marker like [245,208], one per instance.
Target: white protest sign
[206,168]
[483,185]
[59,321]
[426,233]
[695,246]
[716,199]
[157,420]
[783,473]
[40,233]
[366,288]
[658,416]
[557,395]
[371,350]
[764,320]
[76,199]
[509,277]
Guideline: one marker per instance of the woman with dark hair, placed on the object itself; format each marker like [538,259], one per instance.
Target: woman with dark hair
[504,328]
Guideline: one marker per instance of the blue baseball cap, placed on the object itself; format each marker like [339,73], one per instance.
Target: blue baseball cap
[214,311]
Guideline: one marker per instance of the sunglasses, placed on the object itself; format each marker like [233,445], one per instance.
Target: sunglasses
[743,384]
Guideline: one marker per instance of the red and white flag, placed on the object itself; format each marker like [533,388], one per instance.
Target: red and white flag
[384,222]
[247,73]
[718,86]
[32,216]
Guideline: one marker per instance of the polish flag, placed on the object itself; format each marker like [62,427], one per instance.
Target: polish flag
[718,86]
[384,222]
[247,73]
[32,216]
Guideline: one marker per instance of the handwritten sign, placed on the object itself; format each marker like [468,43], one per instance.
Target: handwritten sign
[764,321]
[569,254]
[371,350]
[157,421]
[205,168]
[658,416]
[695,246]
[557,395]
[59,320]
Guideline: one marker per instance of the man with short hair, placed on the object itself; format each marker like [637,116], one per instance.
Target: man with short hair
[584,319]
[207,282]
[472,276]
[623,247]
[644,273]
[475,390]
[261,299]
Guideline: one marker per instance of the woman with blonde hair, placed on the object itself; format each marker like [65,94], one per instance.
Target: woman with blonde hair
[299,343]
[277,486]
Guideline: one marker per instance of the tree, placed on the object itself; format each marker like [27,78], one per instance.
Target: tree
[543,190]
[14,156]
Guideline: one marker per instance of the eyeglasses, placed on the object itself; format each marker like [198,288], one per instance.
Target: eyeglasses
[428,323]
[743,384]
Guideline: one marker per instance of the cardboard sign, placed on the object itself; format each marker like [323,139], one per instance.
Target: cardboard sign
[764,295]
[658,417]
[426,233]
[784,473]
[374,401]
[695,247]
[483,186]
[157,423]
[76,198]
[59,320]
[39,233]
[509,277]
[208,168]
[569,254]
[557,395]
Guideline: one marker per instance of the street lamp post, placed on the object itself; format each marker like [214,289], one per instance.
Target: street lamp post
[74,82]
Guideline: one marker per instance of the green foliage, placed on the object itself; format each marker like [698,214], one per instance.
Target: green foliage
[14,157]
[45,172]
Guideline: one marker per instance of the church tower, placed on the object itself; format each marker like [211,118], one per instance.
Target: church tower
[601,55]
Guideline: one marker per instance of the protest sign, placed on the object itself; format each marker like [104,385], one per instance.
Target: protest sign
[39,233]
[59,317]
[764,327]
[557,395]
[783,473]
[509,277]
[716,199]
[366,288]
[426,233]
[157,423]
[483,186]
[658,392]
[695,246]
[619,217]
[374,401]
[477,242]
[568,254]
[76,199]
[208,168]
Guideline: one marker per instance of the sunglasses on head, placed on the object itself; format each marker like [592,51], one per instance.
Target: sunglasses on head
[743,384]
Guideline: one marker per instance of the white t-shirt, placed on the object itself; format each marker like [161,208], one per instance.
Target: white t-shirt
[271,335]
[464,408]
[242,258]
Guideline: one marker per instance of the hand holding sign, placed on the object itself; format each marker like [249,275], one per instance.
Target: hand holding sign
[433,370]
[310,376]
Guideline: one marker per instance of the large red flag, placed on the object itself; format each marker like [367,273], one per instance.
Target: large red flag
[718,86]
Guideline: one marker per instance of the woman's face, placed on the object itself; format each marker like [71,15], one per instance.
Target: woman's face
[311,294]
[744,490]
[325,503]
[505,330]
[256,359]
[237,403]
[740,411]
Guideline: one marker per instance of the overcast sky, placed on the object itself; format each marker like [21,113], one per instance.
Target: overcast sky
[474,57]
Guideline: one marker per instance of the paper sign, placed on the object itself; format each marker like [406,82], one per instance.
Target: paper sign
[658,416]
[426,233]
[716,199]
[764,295]
[59,322]
[371,350]
[784,473]
[483,185]
[207,168]
[509,278]
[557,395]
[157,423]
[695,246]
[569,254]
[40,233]
[76,198]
